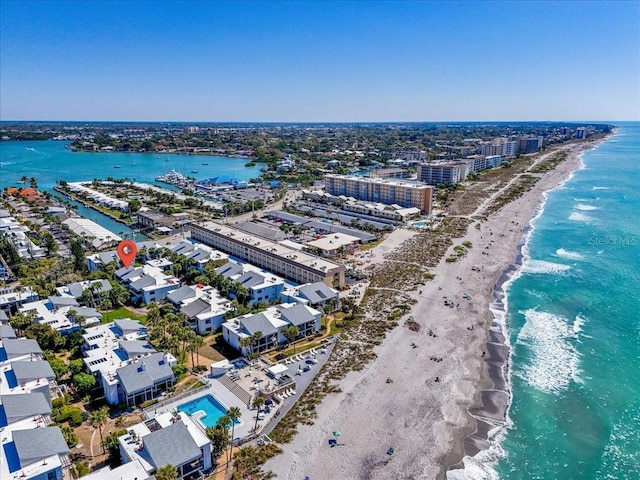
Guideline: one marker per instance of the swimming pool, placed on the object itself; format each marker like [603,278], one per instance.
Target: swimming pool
[208,404]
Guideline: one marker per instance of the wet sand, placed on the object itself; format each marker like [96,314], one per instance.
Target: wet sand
[431,425]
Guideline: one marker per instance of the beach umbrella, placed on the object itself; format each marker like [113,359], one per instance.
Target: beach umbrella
[337,433]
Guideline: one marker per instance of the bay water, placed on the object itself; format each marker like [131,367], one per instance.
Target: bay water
[50,161]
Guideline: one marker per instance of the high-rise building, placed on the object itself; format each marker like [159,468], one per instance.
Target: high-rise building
[405,193]
[530,144]
[443,173]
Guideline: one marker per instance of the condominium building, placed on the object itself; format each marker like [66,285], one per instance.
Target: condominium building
[290,263]
[443,173]
[530,144]
[404,193]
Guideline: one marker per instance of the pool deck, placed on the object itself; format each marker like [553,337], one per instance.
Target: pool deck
[220,392]
[212,386]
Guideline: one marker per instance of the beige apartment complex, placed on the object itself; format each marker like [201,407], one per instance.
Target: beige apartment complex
[293,264]
[382,190]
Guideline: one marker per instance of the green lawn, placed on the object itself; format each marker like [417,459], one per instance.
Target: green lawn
[122,312]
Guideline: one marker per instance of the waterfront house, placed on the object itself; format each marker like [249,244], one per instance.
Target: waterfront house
[154,220]
[270,324]
[316,295]
[169,438]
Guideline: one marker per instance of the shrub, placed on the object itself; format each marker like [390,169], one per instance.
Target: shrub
[179,370]
[58,402]
[69,436]
[70,413]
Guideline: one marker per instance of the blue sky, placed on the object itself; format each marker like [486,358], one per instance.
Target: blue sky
[319,61]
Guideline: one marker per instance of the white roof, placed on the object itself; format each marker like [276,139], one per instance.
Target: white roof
[128,471]
[291,244]
[333,241]
[88,228]
[278,368]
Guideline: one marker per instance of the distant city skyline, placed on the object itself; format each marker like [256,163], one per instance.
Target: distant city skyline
[320,61]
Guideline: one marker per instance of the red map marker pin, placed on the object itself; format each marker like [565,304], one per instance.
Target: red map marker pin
[127,251]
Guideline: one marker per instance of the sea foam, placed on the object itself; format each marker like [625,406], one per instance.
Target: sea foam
[481,466]
[580,217]
[561,252]
[554,361]
[586,208]
[543,266]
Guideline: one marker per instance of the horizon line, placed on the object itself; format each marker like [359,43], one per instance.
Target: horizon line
[317,121]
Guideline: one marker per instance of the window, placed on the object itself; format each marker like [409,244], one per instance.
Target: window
[52,475]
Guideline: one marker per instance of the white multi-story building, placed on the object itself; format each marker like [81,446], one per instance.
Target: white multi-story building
[168,439]
[56,316]
[147,283]
[273,257]
[270,324]
[509,148]
[443,173]
[127,367]
[405,193]
[198,253]
[262,286]
[203,305]
[17,235]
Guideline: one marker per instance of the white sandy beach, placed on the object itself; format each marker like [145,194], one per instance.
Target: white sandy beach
[423,420]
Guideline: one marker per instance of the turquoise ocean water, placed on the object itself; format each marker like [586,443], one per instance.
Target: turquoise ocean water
[49,162]
[573,324]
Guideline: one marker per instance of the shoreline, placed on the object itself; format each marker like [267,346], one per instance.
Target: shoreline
[490,411]
[430,423]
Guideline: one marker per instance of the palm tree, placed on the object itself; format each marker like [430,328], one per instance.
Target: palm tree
[199,343]
[255,339]
[168,472]
[246,342]
[192,348]
[225,422]
[234,414]
[291,333]
[153,313]
[97,419]
[219,438]
[258,402]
